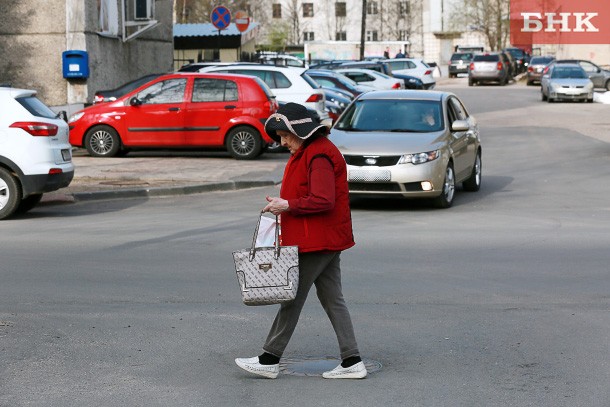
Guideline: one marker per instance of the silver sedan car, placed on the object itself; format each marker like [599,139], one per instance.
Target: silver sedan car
[409,143]
[566,82]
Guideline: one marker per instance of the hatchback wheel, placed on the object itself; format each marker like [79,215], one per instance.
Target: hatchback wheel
[244,143]
[445,199]
[10,193]
[102,141]
[608,84]
[473,183]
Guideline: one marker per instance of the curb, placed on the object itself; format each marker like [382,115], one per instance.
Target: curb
[153,191]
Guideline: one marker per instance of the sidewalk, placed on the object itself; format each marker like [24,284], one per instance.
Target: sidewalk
[157,173]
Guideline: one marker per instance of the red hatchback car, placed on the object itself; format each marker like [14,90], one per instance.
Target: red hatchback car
[180,110]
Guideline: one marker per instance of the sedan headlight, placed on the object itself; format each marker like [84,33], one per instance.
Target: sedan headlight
[420,158]
[75,117]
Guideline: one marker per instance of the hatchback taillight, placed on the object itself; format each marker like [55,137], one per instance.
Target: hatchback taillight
[500,66]
[316,97]
[396,86]
[428,72]
[472,66]
[530,69]
[37,129]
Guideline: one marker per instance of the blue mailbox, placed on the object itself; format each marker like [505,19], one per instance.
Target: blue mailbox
[75,64]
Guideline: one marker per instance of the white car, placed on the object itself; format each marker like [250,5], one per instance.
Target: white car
[35,155]
[288,84]
[414,67]
[373,79]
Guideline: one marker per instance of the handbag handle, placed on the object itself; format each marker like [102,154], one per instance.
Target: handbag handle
[276,253]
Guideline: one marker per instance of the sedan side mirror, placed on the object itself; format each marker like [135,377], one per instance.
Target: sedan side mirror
[460,125]
[134,101]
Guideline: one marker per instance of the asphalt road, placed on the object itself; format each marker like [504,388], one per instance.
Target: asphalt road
[502,300]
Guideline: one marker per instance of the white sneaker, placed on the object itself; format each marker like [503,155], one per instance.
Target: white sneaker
[357,371]
[252,365]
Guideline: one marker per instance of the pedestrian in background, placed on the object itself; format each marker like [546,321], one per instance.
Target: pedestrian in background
[315,215]
[399,54]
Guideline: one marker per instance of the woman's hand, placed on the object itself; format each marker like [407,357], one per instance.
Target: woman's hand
[276,205]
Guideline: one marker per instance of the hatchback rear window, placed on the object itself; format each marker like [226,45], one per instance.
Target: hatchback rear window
[540,60]
[486,58]
[461,57]
[33,105]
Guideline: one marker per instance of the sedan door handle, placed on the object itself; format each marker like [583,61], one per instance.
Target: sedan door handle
[230,107]
[174,109]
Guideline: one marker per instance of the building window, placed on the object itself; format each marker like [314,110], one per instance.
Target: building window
[108,17]
[371,7]
[340,9]
[277,11]
[403,8]
[371,35]
[403,35]
[307,9]
[308,36]
[341,36]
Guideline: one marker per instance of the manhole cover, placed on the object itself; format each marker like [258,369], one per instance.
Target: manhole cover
[315,366]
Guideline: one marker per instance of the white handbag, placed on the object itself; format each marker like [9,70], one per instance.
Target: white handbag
[267,275]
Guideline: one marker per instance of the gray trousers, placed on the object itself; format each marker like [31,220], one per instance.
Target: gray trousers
[323,270]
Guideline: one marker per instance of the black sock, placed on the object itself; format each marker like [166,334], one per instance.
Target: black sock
[351,361]
[268,359]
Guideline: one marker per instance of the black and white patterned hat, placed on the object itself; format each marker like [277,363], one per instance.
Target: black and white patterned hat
[294,118]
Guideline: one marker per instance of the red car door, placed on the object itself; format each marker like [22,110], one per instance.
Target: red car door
[212,105]
[157,116]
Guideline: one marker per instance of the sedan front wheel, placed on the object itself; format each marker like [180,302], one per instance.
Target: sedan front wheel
[473,183]
[445,199]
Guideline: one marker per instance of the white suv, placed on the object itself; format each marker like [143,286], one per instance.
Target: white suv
[35,155]
[414,67]
[288,84]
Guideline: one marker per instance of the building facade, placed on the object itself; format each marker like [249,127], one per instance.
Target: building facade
[123,40]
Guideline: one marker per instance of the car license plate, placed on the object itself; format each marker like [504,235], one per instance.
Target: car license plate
[66,154]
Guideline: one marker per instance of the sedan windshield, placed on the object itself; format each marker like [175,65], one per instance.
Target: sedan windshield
[571,73]
[393,115]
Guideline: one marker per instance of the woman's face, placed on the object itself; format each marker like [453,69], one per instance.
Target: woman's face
[290,141]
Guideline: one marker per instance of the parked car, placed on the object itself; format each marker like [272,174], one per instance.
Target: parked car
[411,82]
[411,144]
[379,66]
[488,67]
[566,82]
[35,156]
[536,66]
[521,58]
[112,95]
[509,61]
[459,63]
[374,79]
[599,76]
[336,80]
[180,110]
[414,67]
[289,84]
[337,97]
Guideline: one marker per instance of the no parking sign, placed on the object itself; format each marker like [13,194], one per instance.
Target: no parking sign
[221,17]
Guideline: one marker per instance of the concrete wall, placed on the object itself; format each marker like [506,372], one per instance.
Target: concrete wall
[34,33]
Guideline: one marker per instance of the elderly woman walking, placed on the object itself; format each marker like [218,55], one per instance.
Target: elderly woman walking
[314,210]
